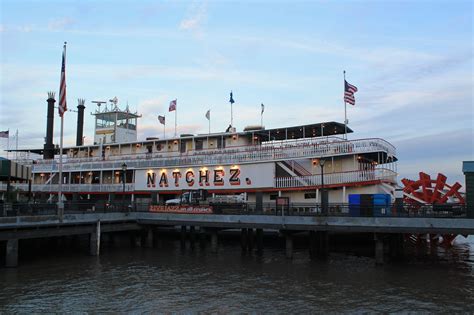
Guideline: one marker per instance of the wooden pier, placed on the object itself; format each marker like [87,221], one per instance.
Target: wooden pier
[387,231]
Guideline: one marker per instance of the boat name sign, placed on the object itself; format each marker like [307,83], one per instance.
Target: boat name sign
[220,177]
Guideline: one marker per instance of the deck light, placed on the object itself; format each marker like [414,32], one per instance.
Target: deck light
[124,172]
[324,200]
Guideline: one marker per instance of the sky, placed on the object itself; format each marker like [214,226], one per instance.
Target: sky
[412,62]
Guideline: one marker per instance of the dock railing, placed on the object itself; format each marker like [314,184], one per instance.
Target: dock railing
[452,210]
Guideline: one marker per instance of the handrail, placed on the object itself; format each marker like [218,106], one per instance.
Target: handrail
[77,187]
[224,156]
[279,182]
[403,210]
[335,178]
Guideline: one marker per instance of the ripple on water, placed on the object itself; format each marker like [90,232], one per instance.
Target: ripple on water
[169,280]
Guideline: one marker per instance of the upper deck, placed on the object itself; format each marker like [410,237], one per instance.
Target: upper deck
[264,152]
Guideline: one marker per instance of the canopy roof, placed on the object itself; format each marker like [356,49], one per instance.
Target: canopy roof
[286,133]
[306,131]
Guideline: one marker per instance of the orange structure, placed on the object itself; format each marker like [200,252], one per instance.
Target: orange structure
[429,191]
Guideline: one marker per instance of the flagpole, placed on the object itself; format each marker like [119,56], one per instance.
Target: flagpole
[62,93]
[164,128]
[231,101]
[261,116]
[60,197]
[345,107]
[8,141]
[209,124]
[176,120]
[16,148]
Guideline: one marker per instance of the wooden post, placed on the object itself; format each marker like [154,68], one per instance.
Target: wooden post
[94,246]
[11,259]
[289,245]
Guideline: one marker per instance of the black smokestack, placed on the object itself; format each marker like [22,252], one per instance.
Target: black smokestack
[80,121]
[48,150]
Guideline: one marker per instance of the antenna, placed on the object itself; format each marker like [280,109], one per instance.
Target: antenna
[114,101]
[99,103]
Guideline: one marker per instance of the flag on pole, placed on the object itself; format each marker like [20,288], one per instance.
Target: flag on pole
[349,91]
[173,105]
[162,119]
[4,134]
[231,98]
[208,114]
[62,108]
[263,109]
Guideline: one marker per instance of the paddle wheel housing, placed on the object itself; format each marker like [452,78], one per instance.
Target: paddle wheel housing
[427,191]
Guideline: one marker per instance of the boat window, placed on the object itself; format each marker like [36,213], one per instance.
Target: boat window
[220,143]
[182,146]
[199,144]
[310,195]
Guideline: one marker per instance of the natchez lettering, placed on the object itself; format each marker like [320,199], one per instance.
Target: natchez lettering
[203,177]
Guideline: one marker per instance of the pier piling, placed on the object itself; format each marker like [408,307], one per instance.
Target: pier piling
[192,236]
[243,240]
[259,236]
[202,238]
[149,238]
[251,240]
[379,250]
[11,259]
[289,245]
[94,247]
[214,241]
[183,236]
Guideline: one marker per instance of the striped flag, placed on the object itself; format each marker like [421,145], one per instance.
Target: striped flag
[173,105]
[161,119]
[349,91]
[4,134]
[62,108]
[208,114]
[263,109]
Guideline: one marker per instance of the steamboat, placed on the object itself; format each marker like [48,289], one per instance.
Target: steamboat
[298,162]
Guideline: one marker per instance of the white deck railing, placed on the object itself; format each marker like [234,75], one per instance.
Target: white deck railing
[76,187]
[335,178]
[247,154]
[281,182]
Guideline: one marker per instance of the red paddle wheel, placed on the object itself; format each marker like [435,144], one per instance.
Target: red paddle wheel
[427,191]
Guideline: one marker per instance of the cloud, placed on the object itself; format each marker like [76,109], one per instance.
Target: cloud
[25,28]
[2,28]
[196,16]
[60,24]
[436,153]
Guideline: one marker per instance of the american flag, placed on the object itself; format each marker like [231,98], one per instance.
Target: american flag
[62,108]
[4,134]
[208,114]
[161,119]
[173,105]
[349,91]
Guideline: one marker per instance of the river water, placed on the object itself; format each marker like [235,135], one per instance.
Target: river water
[169,279]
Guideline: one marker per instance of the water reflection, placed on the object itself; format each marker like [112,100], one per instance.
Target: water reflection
[169,279]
